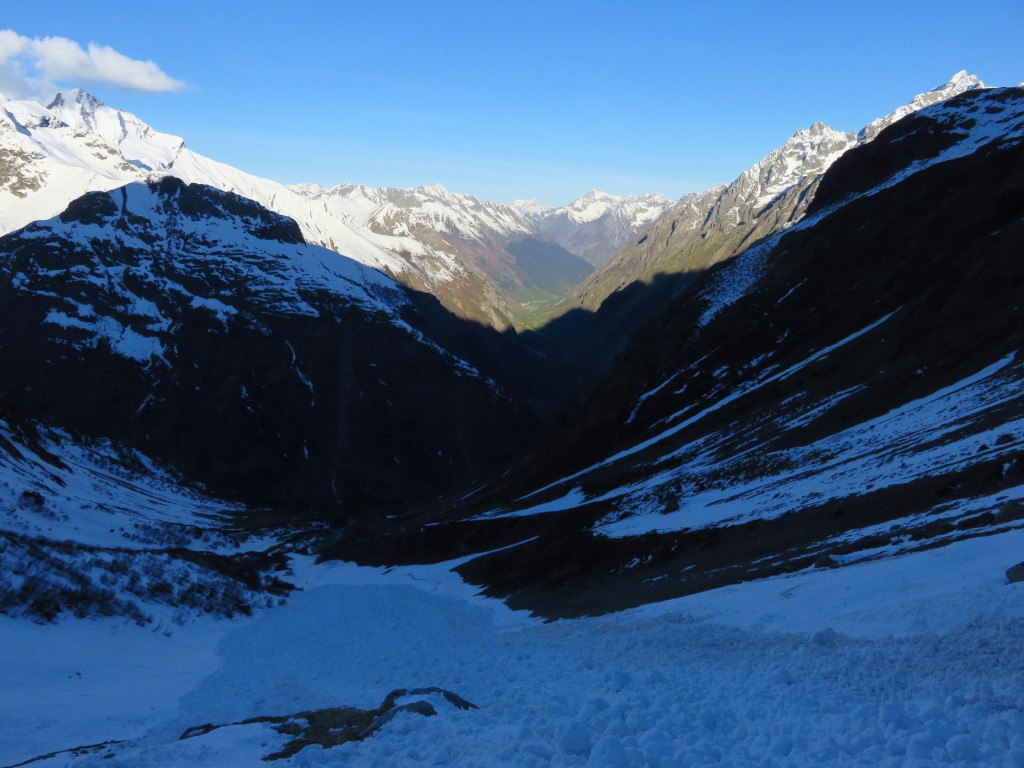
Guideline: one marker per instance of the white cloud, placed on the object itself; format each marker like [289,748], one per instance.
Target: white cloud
[38,66]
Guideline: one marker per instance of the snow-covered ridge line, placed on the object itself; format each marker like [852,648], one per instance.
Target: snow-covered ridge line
[810,152]
[433,206]
[77,144]
[638,210]
[219,241]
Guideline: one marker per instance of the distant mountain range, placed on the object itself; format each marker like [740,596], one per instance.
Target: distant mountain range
[516,263]
[597,225]
[505,265]
[451,246]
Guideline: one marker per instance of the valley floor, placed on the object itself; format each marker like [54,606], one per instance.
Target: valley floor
[915,660]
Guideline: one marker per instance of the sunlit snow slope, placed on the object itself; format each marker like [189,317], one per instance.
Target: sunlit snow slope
[50,155]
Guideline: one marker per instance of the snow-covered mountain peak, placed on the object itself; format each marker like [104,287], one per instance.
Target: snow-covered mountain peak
[598,196]
[81,110]
[597,224]
[592,198]
[133,139]
[309,189]
[806,154]
[595,204]
[957,84]
[808,140]
[439,194]
[436,189]
[816,130]
[76,99]
[531,206]
[960,82]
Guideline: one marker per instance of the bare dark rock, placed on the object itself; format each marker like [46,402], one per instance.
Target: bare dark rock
[1015,574]
[334,726]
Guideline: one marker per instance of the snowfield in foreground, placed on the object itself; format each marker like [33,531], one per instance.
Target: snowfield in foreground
[914,660]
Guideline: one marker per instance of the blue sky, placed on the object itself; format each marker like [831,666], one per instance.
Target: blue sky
[529,99]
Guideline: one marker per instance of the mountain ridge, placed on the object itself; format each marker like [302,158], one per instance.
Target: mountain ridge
[51,155]
[192,323]
[770,195]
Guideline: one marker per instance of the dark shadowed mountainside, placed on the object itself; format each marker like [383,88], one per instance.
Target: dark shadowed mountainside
[847,389]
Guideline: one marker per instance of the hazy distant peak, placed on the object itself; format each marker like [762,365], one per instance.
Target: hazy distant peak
[436,188]
[531,206]
[308,189]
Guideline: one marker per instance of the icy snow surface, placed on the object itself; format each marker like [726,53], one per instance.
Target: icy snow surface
[914,657]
